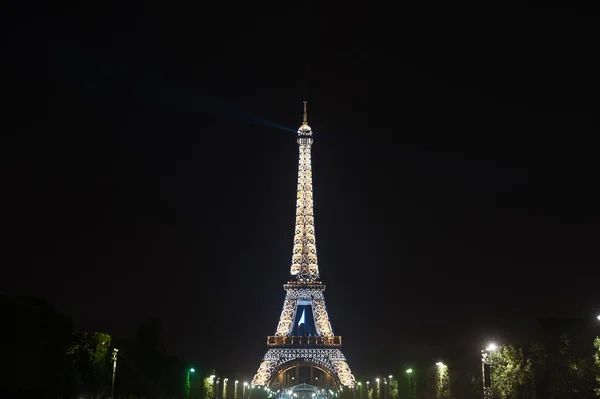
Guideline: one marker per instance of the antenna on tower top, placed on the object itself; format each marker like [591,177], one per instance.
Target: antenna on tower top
[305,120]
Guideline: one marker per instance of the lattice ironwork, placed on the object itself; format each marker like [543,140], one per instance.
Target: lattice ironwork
[287,317]
[304,341]
[331,360]
[304,288]
[304,259]
[321,318]
[305,293]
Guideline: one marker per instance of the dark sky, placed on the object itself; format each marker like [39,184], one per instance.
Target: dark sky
[455,170]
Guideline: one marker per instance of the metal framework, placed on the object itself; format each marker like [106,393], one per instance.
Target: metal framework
[304,288]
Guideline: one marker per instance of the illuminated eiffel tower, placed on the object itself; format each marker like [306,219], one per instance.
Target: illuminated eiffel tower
[304,339]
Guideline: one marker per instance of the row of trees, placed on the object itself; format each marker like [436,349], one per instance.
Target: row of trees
[567,370]
[561,361]
[44,358]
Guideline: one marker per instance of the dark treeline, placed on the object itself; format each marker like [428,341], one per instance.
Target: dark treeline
[44,358]
[561,361]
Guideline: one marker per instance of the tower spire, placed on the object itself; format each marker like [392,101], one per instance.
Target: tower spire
[305,120]
[304,267]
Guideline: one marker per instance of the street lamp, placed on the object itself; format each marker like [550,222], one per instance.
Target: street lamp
[486,369]
[408,373]
[114,359]
[598,317]
[188,385]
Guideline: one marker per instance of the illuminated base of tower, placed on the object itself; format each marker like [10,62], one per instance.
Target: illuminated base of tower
[278,360]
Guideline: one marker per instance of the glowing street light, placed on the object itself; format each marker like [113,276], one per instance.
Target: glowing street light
[408,373]
[440,364]
[598,317]
[114,373]
[188,385]
[486,369]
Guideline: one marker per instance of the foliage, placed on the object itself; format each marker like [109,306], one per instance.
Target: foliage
[91,347]
[393,387]
[442,383]
[510,372]
[89,354]
[597,364]
[187,385]
[209,385]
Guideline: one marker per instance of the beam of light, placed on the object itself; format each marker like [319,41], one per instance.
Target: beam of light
[74,64]
[220,107]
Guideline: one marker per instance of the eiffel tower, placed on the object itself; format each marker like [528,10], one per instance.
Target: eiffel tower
[304,337]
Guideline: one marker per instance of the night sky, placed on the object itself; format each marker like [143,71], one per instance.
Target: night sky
[455,171]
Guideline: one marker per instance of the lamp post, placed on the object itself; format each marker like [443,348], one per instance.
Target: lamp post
[225,388]
[360,394]
[378,389]
[244,390]
[408,373]
[188,384]
[114,373]
[486,369]
[235,389]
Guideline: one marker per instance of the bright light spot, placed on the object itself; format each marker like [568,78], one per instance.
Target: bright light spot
[390,376]
[491,347]
[192,370]
[598,317]
[377,379]
[409,371]
[359,383]
[226,379]
[236,381]
[245,383]
[439,364]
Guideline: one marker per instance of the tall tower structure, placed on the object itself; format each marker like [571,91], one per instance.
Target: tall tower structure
[304,337]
